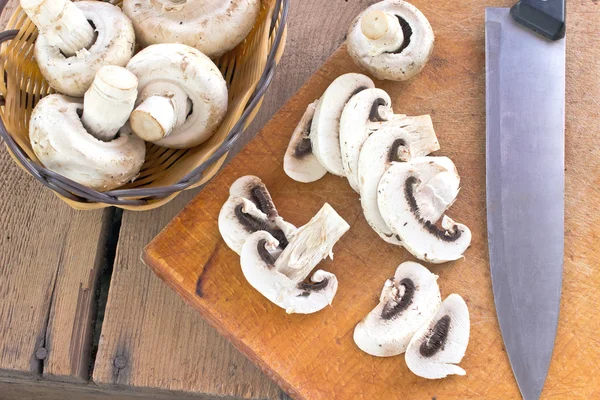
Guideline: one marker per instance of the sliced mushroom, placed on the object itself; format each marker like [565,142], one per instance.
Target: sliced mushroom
[412,196]
[258,265]
[68,51]
[391,40]
[357,123]
[183,96]
[299,162]
[212,26]
[382,149]
[325,128]
[250,209]
[63,145]
[441,343]
[407,301]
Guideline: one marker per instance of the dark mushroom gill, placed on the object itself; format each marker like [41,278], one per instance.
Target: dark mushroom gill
[391,311]
[252,224]
[407,32]
[393,153]
[264,253]
[304,147]
[312,287]
[374,115]
[442,234]
[262,199]
[437,337]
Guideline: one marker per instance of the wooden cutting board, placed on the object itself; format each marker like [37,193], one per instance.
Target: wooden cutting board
[314,356]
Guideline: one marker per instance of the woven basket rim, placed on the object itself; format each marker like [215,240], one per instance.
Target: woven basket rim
[76,192]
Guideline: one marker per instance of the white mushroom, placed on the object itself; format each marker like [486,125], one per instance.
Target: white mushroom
[281,277]
[109,101]
[64,146]
[249,209]
[441,343]
[325,128]
[299,162]
[212,26]
[183,96]
[68,51]
[383,148]
[391,40]
[412,196]
[407,301]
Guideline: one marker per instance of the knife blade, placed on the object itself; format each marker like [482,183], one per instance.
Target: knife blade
[525,103]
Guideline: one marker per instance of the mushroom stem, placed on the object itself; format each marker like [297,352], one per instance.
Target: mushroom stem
[62,23]
[311,244]
[383,30]
[108,103]
[164,107]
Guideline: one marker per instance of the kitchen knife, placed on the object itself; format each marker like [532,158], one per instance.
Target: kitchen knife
[525,101]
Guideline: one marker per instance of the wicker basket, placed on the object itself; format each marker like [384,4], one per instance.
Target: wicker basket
[248,70]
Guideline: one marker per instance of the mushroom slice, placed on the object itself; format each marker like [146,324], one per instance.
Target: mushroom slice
[412,196]
[66,55]
[382,149]
[311,244]
[391,40]
[357,123]
[325,128]
[183,96]
[212,26]
[258,265]
[299,162]
[253,189]
[407,301]
[63,145]
[441,343]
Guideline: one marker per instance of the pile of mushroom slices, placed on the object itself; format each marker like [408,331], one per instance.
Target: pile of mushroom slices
[411,318]
[277,258]
[353,132]
[171,93]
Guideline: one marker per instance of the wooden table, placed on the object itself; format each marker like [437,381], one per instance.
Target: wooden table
[82,318]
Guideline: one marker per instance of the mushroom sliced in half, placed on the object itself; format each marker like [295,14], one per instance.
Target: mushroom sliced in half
[212,26]
[68,51]
[250,209]
[441,343]
[258,266]
[412,196]
[63,145]
[299,162]
[382,149]
[357,123]
[183,96]
[325,128]
[407,301]
[391,40]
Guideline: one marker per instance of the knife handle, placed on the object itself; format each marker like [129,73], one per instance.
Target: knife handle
[546,17]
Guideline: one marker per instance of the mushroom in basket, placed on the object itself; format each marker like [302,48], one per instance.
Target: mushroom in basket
[93,149]
[77,39]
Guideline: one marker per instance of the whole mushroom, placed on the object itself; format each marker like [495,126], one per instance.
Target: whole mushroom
[85,149]
[183,96]
[391,40]
[212,26]
[77,39]
[408,300]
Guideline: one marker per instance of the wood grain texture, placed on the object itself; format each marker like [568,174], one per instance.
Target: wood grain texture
[169,346]
[314,357]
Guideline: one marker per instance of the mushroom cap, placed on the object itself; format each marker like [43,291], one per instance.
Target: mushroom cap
[299,162]
[397,66]
[325,128]
[212,26]
[113,46]
[407,301]
[409,202]
[257,261]
[63,145]
[383,148]
[357,123]
[441,343]
[197,76]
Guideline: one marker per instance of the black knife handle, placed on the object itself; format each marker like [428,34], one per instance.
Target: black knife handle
[546,17]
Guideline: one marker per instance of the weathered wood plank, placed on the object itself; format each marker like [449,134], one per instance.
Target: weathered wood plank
[167,344]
